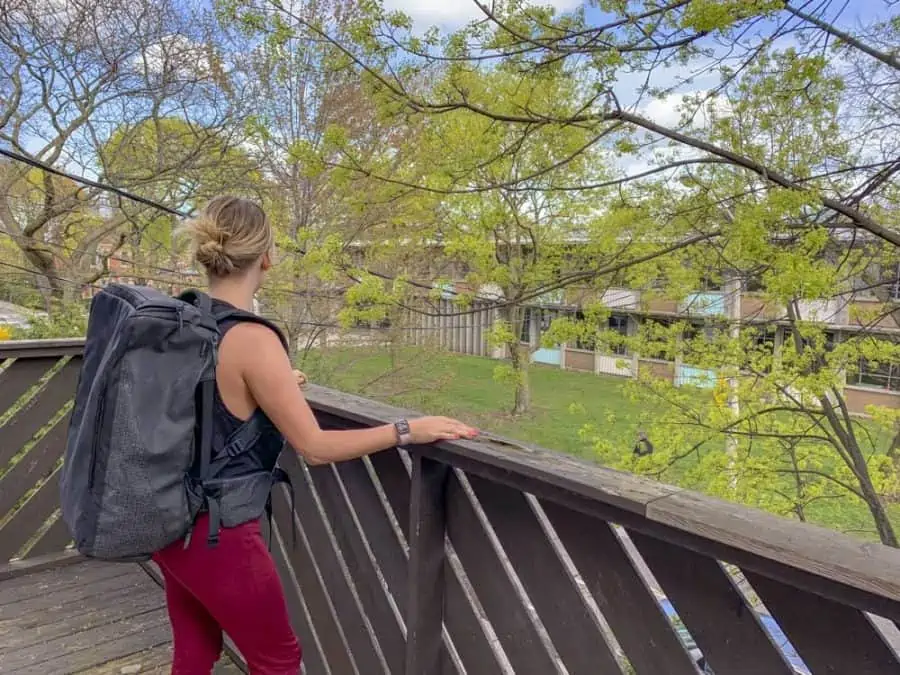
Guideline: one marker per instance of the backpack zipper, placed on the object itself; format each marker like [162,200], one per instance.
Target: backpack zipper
[98,429]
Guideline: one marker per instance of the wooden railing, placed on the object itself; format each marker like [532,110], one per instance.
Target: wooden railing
[491,557]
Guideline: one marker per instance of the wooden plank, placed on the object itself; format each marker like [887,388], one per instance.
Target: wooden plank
[93,646]
[376,515]
[35,465]
[625,600]
[36,621]
[56,538]
[725,627]
[521,639]
[154,660]
[314,661]
[831,638]
[71,620]
[817,559]
[499,457]
[20,376]
[576,635]
[462,622]
[32,349]
[394,479]
[26,522]
[425,606]
[377,524]
[330,634]
[354,544]
[332,565]
[22,427]
[37,563]
[76,586]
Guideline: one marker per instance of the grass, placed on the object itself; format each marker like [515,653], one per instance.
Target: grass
[563,403]
[465,387]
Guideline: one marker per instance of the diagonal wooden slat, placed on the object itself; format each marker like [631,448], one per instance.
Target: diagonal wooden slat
[376,523]
[522,640]
[394,478]
[22,427]
[20,376]
[831,638]
[314,661]
[55,539]
[576,635]
[627,603]
[33,466]
[726,628]
[354,546]
[339,582]
[29,518]
[462,622]
[300,555]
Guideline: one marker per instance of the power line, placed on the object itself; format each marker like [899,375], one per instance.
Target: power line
[15,156]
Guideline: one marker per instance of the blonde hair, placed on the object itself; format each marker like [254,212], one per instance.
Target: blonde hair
[230,235]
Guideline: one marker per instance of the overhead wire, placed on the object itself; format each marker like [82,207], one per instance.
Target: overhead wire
[38,164]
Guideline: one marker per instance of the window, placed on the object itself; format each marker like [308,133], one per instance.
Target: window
[657,347]
[894,288]
[618,324]
[525,330]
[882,376]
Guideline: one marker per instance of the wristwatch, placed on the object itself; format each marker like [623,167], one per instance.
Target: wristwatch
[404,436]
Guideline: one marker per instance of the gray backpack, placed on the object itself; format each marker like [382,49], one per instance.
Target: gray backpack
[142,424]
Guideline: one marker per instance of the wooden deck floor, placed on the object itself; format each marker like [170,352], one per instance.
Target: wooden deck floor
[86,617]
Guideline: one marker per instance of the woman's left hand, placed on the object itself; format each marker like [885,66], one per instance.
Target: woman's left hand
[301,378]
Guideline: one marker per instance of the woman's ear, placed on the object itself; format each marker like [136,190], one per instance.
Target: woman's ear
[266,262]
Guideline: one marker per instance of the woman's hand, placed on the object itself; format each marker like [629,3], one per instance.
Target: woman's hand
[425,430]
[301,378]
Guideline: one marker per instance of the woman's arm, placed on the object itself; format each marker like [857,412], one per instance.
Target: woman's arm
[271,381]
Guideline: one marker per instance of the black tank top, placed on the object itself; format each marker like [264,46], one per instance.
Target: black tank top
[255,442]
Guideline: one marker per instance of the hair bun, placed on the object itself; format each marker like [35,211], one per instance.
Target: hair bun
[229,235]
[213,255]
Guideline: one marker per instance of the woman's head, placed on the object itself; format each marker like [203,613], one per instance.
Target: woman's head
[232,237]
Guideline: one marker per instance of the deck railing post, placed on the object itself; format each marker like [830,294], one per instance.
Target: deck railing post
[425,604]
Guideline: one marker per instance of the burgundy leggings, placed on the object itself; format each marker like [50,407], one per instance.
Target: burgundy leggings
[234,588]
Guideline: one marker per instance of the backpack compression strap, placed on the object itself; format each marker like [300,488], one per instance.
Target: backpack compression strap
[207,396]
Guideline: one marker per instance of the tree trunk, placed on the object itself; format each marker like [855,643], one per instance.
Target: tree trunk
[520,362]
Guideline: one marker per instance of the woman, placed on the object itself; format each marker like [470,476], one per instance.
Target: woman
[234,587]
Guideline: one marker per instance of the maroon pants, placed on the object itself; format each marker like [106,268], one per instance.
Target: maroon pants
[234,588]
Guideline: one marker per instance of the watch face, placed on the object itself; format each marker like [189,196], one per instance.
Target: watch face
[402,427]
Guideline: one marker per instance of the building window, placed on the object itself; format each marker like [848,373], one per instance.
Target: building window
[659,350]
[894,289]
[525,330]
[882,376]
[618,323]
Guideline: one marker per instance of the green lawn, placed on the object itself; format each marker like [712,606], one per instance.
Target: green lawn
[464,387]
[563,403]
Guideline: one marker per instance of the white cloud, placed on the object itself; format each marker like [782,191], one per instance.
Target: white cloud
[455,13]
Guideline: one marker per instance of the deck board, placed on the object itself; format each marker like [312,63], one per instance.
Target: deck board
[91,617]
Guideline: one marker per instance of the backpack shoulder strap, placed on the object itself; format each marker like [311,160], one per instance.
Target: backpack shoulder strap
[235,316]
[197,298]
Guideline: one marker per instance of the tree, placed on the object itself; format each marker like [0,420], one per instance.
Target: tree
[180,164]
[306,107]
[777,431]
[514,243]
[769,173]
[73,73]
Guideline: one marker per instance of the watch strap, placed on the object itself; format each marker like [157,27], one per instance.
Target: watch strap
[404,436]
